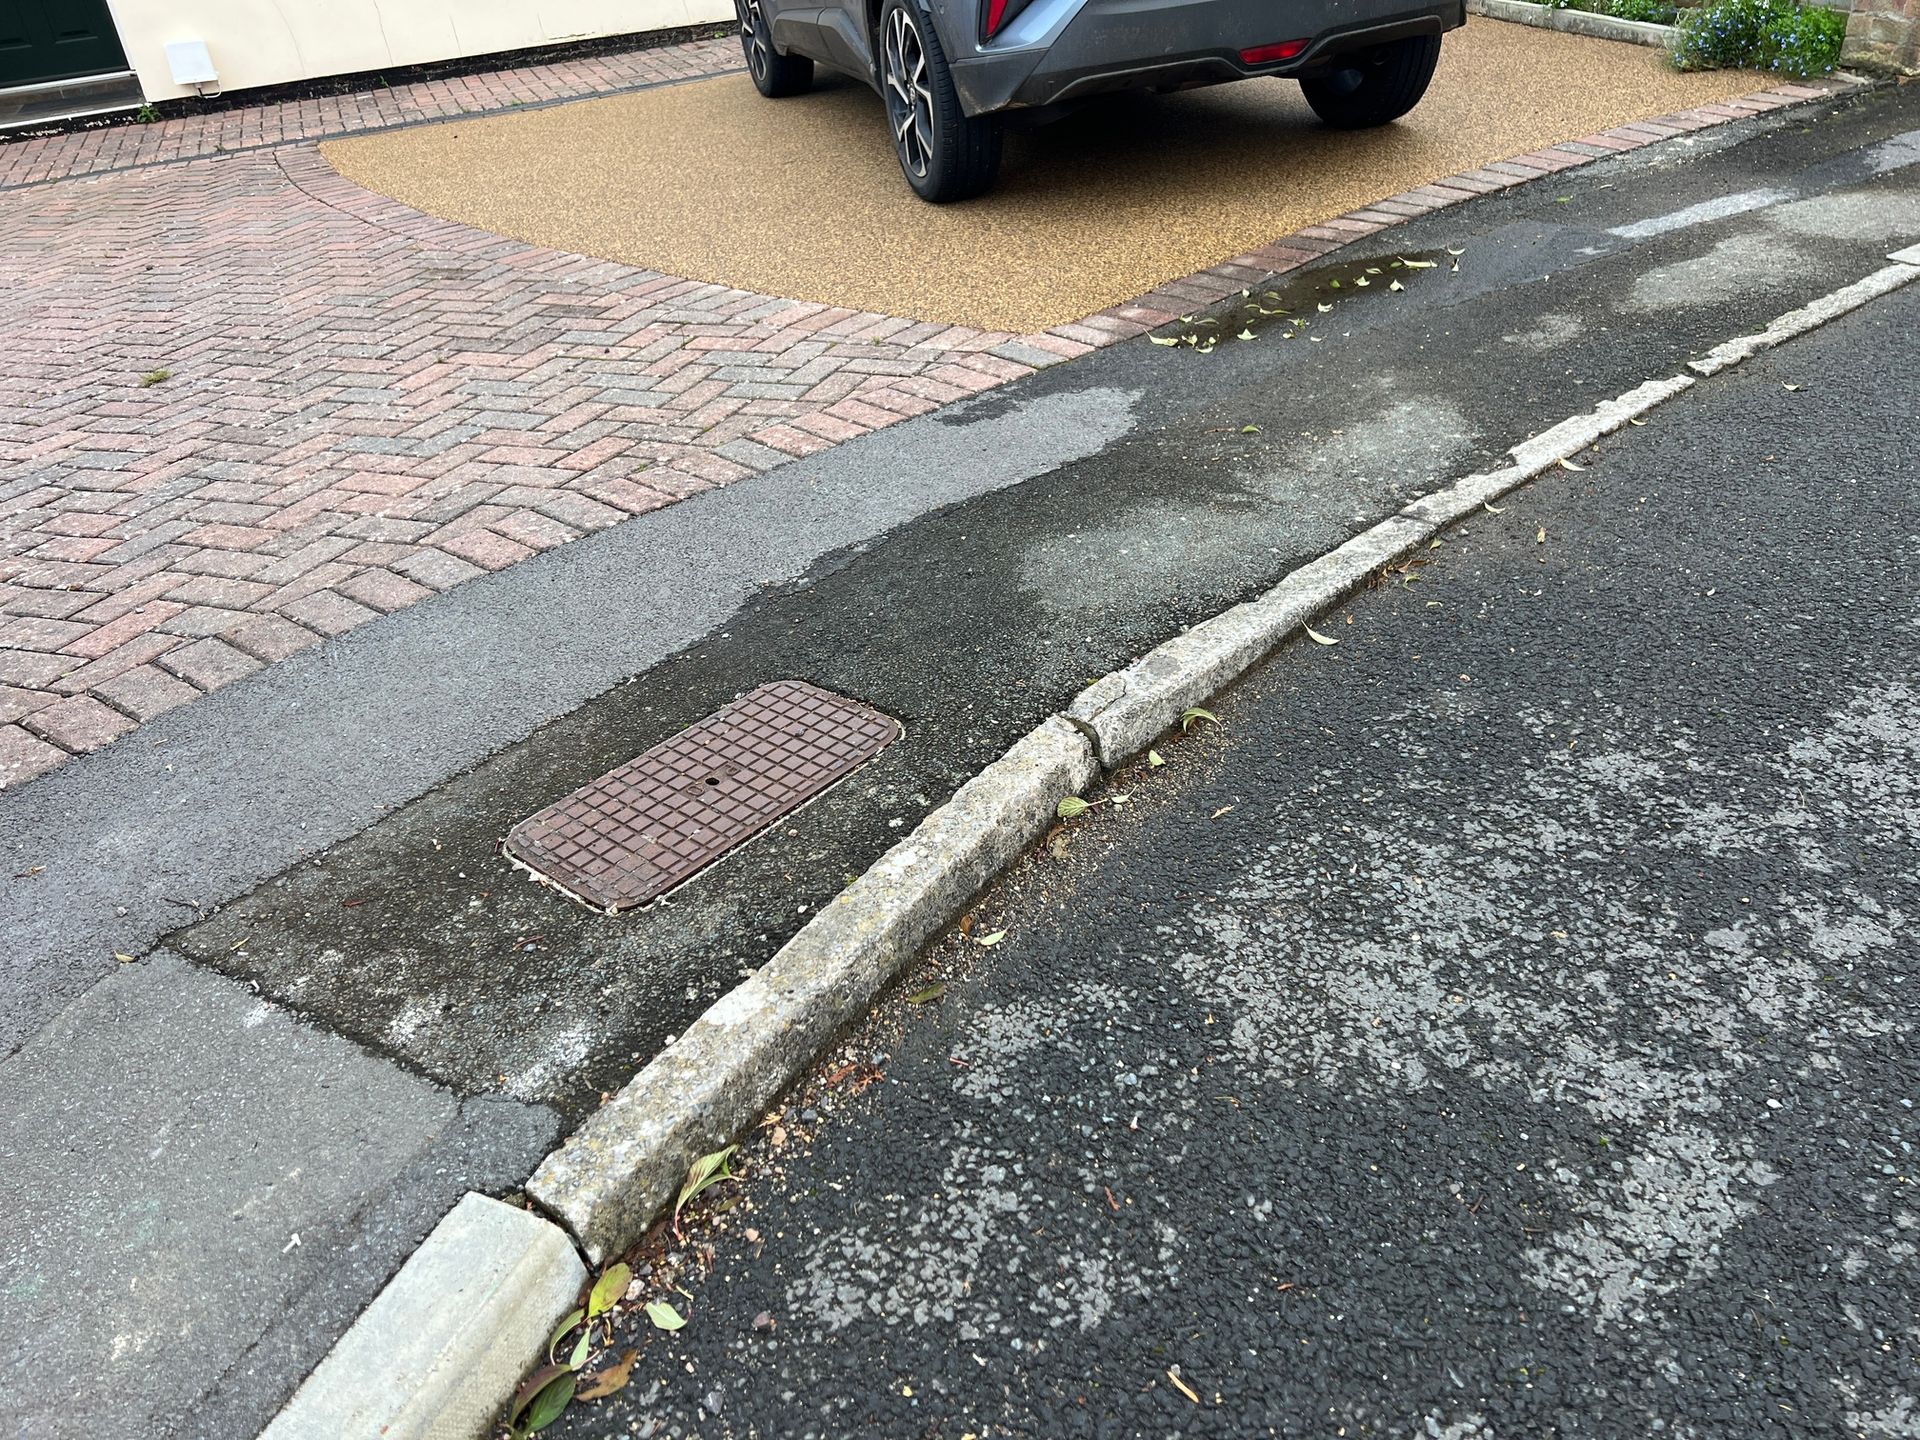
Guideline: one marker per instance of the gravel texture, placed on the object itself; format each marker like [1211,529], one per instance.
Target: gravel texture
[803,197]
[1499,1025]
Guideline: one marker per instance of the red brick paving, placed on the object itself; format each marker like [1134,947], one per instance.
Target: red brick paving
[365,405]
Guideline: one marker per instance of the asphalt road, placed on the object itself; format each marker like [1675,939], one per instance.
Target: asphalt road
[1499,1025]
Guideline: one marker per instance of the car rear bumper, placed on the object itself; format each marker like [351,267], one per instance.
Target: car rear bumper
[1065,51]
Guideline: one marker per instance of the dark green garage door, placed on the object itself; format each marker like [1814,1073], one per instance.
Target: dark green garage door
[56,40]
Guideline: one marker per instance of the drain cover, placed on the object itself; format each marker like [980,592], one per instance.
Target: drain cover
[635,833]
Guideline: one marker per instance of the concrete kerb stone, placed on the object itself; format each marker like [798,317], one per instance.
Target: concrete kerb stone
[1574,22]
[620,1170]
[1809,317]
[1127,710]
[449,1338]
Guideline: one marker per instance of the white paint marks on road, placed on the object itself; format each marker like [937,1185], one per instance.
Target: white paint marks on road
[1704,213]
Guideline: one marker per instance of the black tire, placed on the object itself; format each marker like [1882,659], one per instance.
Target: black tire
[1376,86]
[945,153]
[774,75]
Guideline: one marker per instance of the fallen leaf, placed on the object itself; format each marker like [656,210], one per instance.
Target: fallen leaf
[580,1349]
[664,1316]
[994,939]
[1071,808]
[1785,386]
[560,1331]
[541,1398]
[1566,464]
[609,1381]
[1493,509]
[1246,335]
[1249,429]
[126,959]
[1169,340]
[1632,421]
[1396,285]
[1195,714]
[931,993]
[1118,799]
[707,1171]
[608,1289]
[1541,538]
[1221,811]
[1425,264]
[1154,760]
[1319,639]
[1452,251]
[1325,308]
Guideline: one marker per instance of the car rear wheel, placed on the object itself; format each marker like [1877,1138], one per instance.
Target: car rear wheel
[774,75]
[1376,86]
[945,153]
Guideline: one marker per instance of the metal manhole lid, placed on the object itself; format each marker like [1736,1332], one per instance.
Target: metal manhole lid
[638,831]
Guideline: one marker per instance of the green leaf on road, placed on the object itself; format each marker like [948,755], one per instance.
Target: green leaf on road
[1071,808]
[994,939]
[540,1399]
[580,1349]
[664,1316]
[707,1170]
[1195,714]
[548,1404]
[1319,639]
[927,996]
[573,1319]
[1154,760]
[608,1289]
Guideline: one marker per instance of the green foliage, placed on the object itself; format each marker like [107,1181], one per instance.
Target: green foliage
[1798,41]
[1651,12]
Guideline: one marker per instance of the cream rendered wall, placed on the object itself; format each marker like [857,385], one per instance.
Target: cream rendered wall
[268,42]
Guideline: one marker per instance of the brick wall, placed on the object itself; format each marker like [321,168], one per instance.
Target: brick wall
[1884,33]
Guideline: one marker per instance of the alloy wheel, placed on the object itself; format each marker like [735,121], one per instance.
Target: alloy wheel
[753,35]
[909,97]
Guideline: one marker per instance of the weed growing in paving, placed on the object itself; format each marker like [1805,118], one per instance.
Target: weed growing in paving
[1798,41]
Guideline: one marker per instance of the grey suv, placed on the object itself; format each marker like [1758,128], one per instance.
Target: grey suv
[951,71]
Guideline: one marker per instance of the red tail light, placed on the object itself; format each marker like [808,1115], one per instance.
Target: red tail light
[1266,54]
[996,16]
